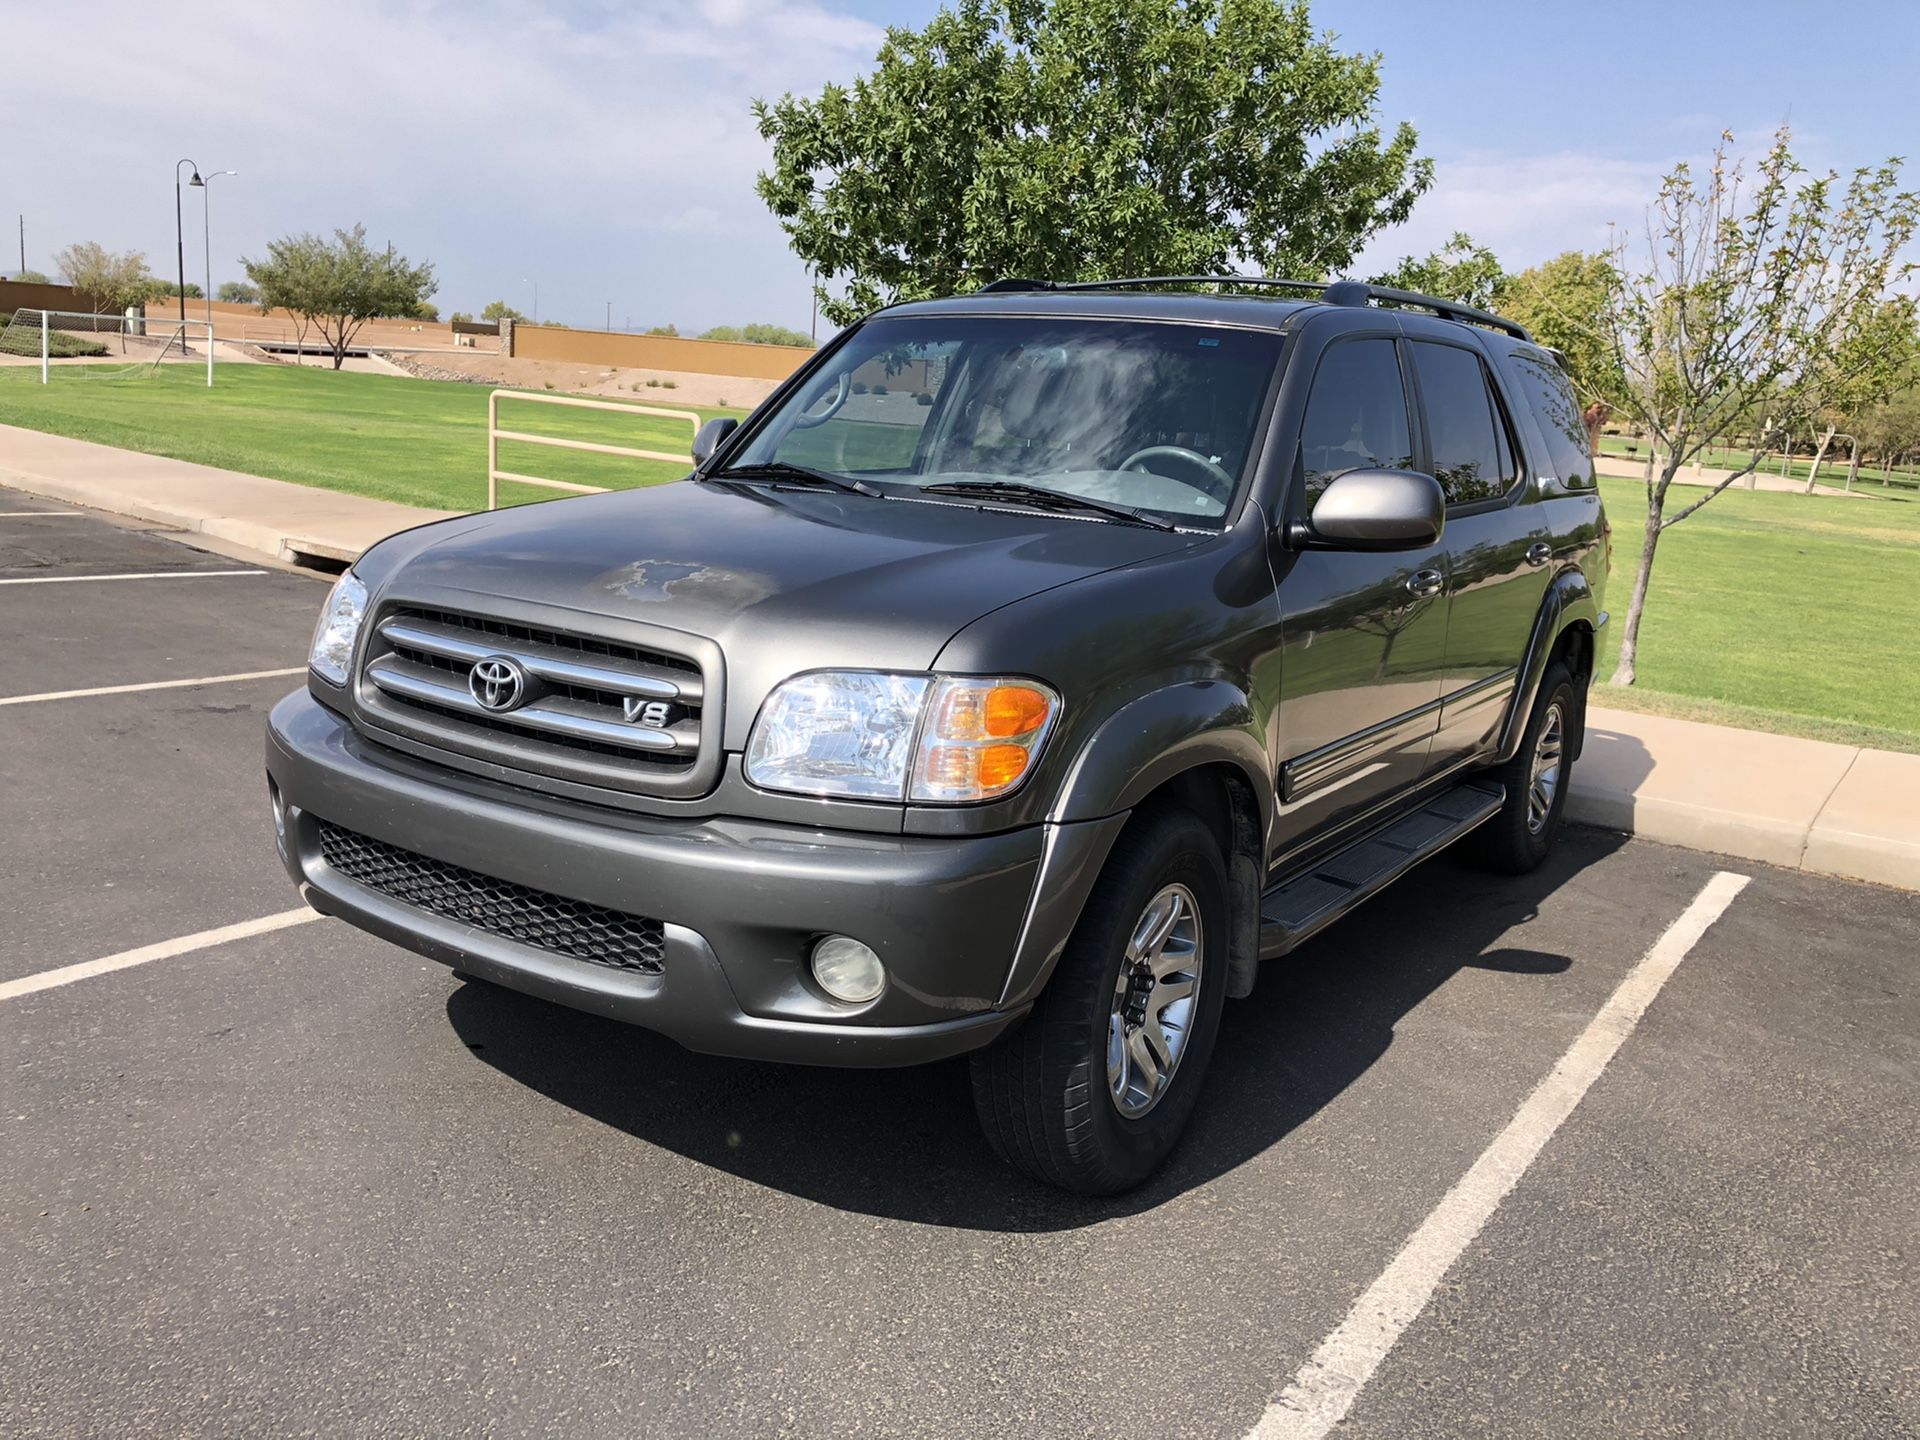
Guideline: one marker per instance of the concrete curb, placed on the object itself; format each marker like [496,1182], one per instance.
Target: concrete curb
[1801,804]
[270,517]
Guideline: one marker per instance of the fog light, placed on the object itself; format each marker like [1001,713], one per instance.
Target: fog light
[279,817]
[848,970]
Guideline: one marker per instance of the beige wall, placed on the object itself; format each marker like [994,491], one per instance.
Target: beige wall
[657,352]
[17,295]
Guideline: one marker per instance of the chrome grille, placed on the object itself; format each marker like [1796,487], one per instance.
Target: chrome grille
[631,715]
[517,912]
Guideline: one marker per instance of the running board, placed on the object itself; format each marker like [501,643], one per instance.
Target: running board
[1309,902]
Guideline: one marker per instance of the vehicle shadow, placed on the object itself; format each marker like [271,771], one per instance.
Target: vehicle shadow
[904,1144]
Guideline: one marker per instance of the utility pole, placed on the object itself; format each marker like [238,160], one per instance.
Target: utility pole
[609,317]
[23,244]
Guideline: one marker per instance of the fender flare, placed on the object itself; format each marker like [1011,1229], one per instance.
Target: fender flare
[1568,604]
[1147,742]
[1153,738]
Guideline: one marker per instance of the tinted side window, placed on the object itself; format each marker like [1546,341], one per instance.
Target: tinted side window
[1356,416]
[1471,458]
[1546,388]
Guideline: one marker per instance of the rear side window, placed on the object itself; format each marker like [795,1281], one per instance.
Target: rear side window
[1546,388]
[1472,458]
[1356,415]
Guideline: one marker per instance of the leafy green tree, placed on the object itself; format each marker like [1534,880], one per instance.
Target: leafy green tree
[1564,303]
[170,290]
[1085,139]
[237,292]
[671,331]
[424,311]
[1877,359]
[106,281]
[1891,429]
[1459,270]
[460,317]
[1773,290]
[337,285]
[497,310]
[30,277]
[759,333]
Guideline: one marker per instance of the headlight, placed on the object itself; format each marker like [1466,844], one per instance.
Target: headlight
[333,637]
[865,735]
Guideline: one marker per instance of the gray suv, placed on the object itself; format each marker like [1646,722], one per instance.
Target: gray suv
[1023,673]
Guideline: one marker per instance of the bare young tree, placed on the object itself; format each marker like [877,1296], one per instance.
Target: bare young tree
[1761,296]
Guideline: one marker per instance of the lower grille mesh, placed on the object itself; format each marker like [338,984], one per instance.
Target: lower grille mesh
[517,912]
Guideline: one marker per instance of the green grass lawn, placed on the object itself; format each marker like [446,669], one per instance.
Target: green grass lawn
[1776,611]
[421,442]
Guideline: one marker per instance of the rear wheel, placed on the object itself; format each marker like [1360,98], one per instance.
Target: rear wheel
[1094,1089]
[1518,838]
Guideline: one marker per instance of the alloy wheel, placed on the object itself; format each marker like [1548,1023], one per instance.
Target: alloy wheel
[1153,1001]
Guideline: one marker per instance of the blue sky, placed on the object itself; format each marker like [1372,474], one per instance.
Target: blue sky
[604,152]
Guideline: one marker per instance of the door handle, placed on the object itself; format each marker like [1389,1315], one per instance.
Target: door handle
[1539,553]
[1425,583]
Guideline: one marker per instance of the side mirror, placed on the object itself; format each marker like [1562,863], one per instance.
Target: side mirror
[1377,510]
[709,437]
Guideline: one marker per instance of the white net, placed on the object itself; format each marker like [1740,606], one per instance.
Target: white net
[103,347]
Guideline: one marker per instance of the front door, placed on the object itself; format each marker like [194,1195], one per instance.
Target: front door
[1363,635]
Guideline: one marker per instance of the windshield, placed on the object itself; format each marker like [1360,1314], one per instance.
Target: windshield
[1158,418]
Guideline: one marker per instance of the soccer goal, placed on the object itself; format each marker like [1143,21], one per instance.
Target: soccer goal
[105,347]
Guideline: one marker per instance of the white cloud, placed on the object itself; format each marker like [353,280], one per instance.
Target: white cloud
[492,137]
[1526,208]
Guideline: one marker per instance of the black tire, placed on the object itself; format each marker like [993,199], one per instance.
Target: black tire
[1043,1092]
[1520,837]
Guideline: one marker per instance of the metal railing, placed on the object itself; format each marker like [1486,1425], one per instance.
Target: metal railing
[495,435]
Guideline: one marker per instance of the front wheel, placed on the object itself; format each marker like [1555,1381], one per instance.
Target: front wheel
[1518,838]
[1094,1089]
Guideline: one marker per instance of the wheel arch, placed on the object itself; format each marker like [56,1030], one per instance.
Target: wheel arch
[1194,745]
[1566,626]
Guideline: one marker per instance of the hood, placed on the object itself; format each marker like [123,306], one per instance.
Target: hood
[785,582]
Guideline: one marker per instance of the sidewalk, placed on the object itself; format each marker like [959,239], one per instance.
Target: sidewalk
[1628,467]
[271,516]
[1805,804]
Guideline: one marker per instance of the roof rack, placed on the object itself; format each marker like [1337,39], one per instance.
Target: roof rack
[1335,292]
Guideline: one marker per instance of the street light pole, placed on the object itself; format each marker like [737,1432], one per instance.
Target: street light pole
[206,236]
[180,240]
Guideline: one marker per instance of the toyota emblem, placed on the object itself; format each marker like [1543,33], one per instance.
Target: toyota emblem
[498,683]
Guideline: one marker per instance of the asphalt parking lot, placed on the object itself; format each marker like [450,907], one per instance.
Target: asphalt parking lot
[303,1182]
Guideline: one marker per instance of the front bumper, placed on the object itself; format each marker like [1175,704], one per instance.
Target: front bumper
[741,902]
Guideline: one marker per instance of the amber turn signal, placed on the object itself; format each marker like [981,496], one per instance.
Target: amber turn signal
[981,738]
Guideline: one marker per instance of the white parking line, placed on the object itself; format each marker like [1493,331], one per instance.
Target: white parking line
[1328,1384]
[164,950]
[148,685]
[144,575]
[29,514]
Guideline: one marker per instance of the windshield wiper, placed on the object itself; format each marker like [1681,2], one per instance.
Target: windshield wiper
[788,473]
[1040,497]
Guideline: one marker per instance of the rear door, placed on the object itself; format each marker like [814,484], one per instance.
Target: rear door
[1496,538]
[1364,634]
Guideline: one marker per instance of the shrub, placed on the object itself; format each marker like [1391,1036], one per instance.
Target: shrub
[923,398]
[879,389]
